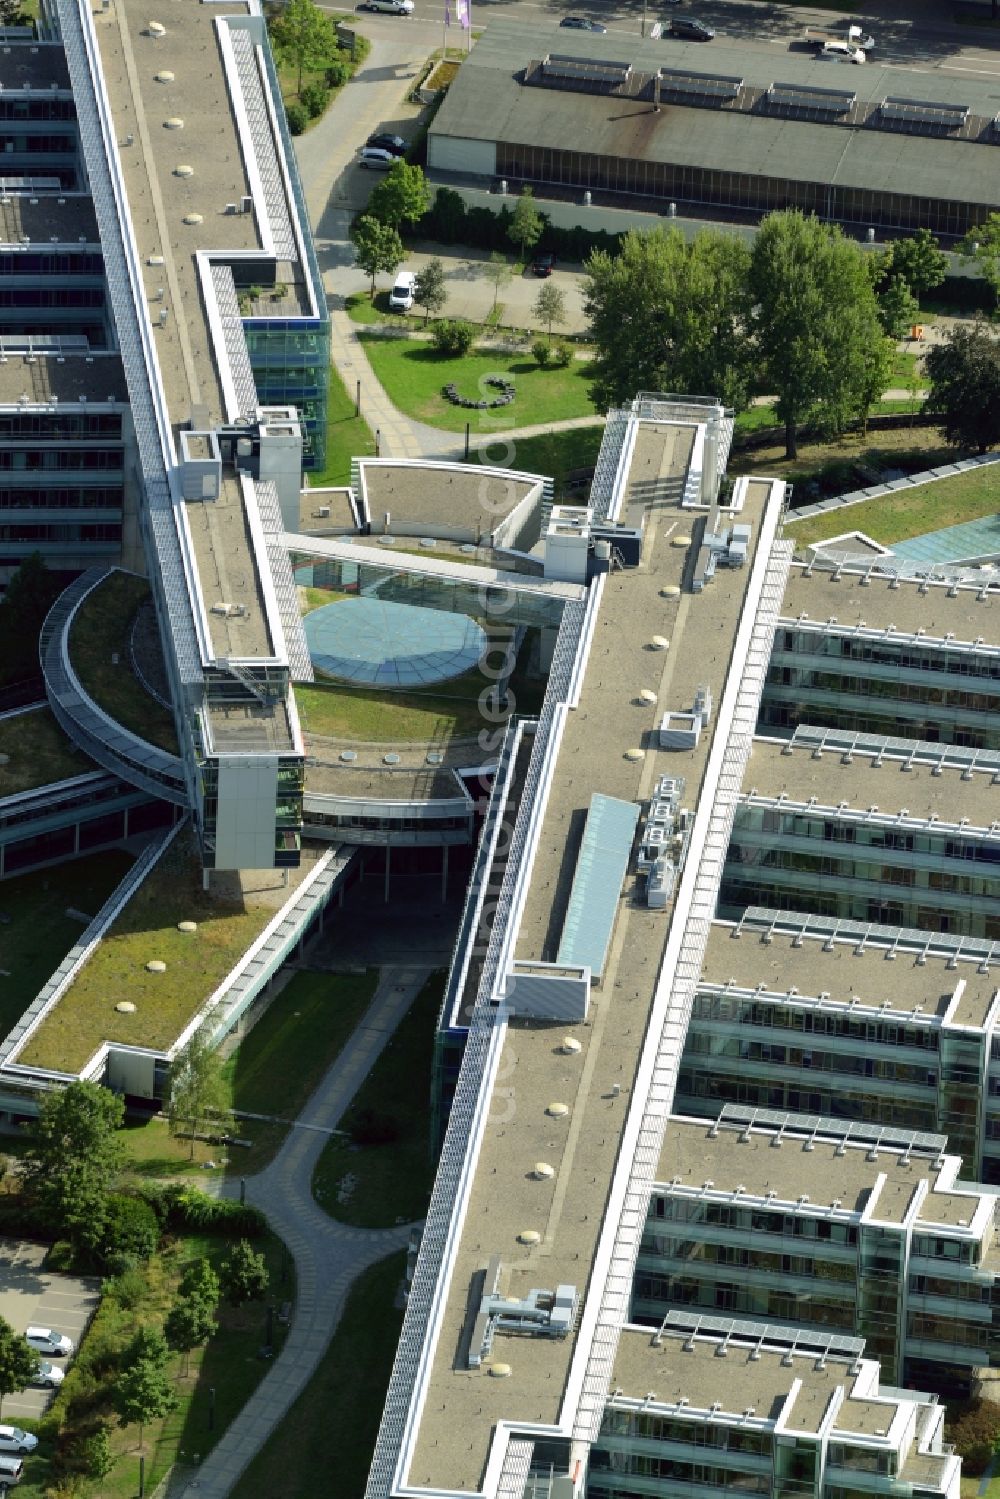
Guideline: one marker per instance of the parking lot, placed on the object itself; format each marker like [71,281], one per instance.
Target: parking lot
[33,1297]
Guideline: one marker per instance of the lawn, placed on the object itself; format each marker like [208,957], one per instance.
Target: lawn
[413,375]
[347,436]
[393,1178]
[555,453]
[147,928]
[229,1364]
[846,460]
[38,752]
[35,931]
[340,1409]
[911,512]
[99,650]
[274,1070]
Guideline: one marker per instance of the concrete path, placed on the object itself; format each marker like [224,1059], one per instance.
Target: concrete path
[328,1255]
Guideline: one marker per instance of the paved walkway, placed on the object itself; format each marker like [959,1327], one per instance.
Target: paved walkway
[328,1255]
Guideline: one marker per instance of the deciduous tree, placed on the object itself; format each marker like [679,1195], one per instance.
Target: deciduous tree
[527,224]
[499,272]
[430,292]
[303,37]
[401,197]
[920,261]
[244,1274]
[197,1087]
[550,306]
[143,1391]
[18,1362]
[669,315]
[73,1157]
[189,1324]
[964,378]
[815,322]
[898,308]
[378,249]
[982,245]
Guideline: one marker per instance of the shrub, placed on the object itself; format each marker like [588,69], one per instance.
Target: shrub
[452,337]
[337,74]
[541,351]
[974,1427]
[298,118]
[128,1288]
[193,1210]
[131,1232]
[314,98]
[370,1127]
[560,355]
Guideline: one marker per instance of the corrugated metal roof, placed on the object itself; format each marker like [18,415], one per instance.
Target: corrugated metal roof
[597,883]
[488,101]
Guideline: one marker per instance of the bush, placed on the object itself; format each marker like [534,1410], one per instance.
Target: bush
[131,1233]
[315,97]
[560,355]
[190,1209]
[541,349]
[337,74]
[298,118]
[452,337]
[127,1289]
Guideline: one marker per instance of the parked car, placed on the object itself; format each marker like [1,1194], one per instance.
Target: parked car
[11,1469]
[13,1439]
[581,23]
[543,265]
[46,1340]
[402,294]
[49,1376]
[385,142]
[691,29]
[388,7]
[377,158]
[840,52]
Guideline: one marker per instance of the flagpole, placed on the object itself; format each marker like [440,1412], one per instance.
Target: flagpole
[468,32]
[444,32]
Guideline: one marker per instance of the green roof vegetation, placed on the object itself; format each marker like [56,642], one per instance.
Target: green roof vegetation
[37,752]
[147,929]
[36,932]
[102,632]
[908,512]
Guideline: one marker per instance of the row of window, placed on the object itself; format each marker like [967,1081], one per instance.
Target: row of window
[908,658]
[695,1085]
[28,460]
[785,1017]
[804,679]
[24,531]
[844,1063]
[776,713]
[100,497]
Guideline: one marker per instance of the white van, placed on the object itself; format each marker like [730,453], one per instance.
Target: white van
[11,1469]
[840,52]
[389,7]
[403,293]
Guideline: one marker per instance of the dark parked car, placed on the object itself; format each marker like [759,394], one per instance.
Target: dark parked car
[542,265]
[580,23]
[691,29]
[393,143]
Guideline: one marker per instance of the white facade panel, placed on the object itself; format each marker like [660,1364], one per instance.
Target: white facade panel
[451,154]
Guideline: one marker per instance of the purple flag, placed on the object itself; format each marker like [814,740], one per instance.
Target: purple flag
[462,12]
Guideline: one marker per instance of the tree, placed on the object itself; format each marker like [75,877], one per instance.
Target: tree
[197,1087]
[18,1362]
[303,37]
[668,315]
[982,245]
[452,337]
[964,378]
[377,248]
[96,1454]
[499,272]
[401,197]
[550,306]
[74,1154]
[527,224]
[878,357]
[10,12]
[430,292]
[190,1322]
[143,1391]
[920,261]
[814,320]
[898,308]
[244,1274]
[200,1283]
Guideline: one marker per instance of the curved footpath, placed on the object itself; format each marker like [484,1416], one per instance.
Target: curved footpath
[328,1255]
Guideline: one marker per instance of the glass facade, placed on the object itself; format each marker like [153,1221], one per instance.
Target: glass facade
[290,359]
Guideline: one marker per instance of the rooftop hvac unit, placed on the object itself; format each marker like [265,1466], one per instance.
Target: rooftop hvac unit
[246,204]
[231,208]
[322,512]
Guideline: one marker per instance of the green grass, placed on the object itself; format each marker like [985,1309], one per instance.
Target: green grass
[101,631]
[905,369]
[38,751]
[229,1365]
[147,928]
[911,512]
[393,1179]
[39,934]
[274,1070]
[340,1409]
[347,436]
[555,453]
[413,375]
